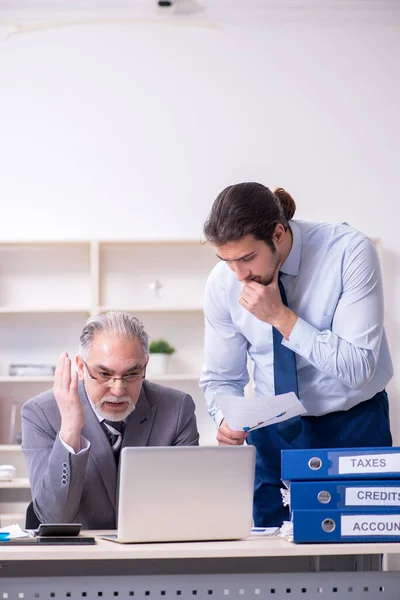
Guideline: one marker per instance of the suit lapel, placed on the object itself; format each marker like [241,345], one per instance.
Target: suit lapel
[100,449]
[140,422]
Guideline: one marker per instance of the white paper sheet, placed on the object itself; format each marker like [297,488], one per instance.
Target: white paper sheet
[265,531]
[15,531]
[247,414]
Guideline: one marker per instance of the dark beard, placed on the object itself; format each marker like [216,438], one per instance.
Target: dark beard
[264,280]
[267,281]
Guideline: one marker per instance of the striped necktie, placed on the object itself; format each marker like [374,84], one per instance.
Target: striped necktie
[114,431]
[285,376]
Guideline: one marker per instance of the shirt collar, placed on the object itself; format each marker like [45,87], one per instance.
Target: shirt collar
[291,266]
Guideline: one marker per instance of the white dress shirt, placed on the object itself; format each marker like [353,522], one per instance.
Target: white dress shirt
[333,283]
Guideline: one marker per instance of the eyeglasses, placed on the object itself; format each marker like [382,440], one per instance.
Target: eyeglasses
[111,381]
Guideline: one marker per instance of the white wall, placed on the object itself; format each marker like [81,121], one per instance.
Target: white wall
[129,130]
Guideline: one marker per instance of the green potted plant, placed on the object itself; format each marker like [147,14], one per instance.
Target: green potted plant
[160,351]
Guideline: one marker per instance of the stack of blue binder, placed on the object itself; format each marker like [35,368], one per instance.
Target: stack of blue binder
[343,494]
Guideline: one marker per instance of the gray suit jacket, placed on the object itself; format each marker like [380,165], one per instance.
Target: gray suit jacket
[83,488]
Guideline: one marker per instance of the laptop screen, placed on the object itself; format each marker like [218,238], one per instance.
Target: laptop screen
[185,493]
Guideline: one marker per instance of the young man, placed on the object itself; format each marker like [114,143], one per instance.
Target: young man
[304,301]
[72,435]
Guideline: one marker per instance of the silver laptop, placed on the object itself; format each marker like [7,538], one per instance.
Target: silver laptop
[185,493]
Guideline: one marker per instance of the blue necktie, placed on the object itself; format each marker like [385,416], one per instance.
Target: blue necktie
[285,376]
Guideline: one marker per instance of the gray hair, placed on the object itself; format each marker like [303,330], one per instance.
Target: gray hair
[115,323]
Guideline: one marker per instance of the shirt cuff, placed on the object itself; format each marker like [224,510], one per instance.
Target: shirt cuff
[85,445]
[218,417]
[302,338]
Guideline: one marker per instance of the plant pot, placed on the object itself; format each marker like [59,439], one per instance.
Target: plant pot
[158,365]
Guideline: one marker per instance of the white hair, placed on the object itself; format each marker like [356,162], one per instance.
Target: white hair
[115,323]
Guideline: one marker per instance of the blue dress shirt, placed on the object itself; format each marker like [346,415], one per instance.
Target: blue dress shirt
[333,283]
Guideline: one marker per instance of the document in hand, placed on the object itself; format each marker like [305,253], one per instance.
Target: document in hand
[247,414]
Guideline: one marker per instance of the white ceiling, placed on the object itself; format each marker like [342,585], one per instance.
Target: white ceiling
[256,11]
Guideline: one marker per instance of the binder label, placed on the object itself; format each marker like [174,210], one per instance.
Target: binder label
[370,463]
[370,525]
[372,496]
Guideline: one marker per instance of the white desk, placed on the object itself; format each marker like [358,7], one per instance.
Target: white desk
[253,568]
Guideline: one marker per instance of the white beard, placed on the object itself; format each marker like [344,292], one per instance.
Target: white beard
[104,414]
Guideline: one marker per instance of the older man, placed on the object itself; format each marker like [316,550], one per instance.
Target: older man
[73,434]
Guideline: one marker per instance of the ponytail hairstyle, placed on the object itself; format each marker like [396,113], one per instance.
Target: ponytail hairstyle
[248,209]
